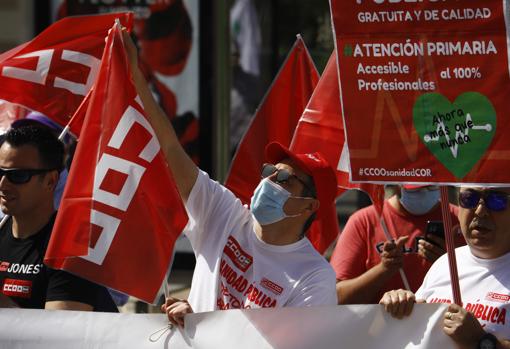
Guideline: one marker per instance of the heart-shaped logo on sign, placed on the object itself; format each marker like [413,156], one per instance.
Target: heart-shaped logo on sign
[458,133]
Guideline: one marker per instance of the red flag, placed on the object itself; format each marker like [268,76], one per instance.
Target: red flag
[321,129]
[75,123]
[9,113]
[121,211]
[53,72]
[275,119]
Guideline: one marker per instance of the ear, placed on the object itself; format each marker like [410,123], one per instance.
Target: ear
[51,180]
[313,205]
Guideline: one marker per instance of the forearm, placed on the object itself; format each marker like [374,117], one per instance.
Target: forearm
[503,344]
[183,169]
[67,305]
[364,288]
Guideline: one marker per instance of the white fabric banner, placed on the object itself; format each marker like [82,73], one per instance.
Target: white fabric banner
[354,326]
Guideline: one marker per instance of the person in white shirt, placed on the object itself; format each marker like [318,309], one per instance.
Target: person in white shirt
[484,279]
[249,258]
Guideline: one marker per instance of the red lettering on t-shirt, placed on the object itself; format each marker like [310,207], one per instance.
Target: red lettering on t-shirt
[234,251]
[17,288]
[497,297]
[487,313]
[238,282]
[440,300]
[494,316]
[253,295]
[271,286]
[502,316]
[479,310]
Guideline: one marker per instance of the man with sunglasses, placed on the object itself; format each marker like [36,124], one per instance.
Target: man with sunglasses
[367,264]
[484,278]
[249,259]
[30,160]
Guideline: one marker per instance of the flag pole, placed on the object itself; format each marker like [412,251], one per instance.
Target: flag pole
[389,238]
[4,220]
[166,288]
[221,90]
[450,245]
[64,132]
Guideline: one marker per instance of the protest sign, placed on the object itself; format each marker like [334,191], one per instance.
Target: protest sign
[121,212]
[424,88]
[353,326]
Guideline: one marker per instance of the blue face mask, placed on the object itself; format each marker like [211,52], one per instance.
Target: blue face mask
[420,201]
[267,202]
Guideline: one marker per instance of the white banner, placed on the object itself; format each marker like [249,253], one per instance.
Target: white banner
[354,326]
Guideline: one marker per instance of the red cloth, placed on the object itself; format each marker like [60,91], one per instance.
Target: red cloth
[321,129]
[275,120]
[121,208]
[53,72]
[356,249]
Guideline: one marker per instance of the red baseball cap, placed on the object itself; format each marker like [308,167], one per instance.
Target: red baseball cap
[414,186]
[324,178]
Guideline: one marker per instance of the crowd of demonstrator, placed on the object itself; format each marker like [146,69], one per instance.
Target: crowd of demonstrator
[261,257]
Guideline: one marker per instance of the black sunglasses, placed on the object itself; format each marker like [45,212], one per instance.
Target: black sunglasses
[282,175]
[21,175]
[493,200]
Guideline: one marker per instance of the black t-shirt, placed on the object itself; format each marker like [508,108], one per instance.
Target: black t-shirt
[30,283]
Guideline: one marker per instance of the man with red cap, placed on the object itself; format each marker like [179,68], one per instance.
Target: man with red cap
[367,264]
[245,258]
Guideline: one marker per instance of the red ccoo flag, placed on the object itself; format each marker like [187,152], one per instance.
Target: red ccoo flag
[274,120]
[321,129]
[121,212]
[55,70]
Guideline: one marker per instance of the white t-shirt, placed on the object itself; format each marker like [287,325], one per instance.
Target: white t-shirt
[484,288]
[235,269]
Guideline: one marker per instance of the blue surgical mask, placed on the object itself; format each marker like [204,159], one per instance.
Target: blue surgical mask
[267,202]
[420,201]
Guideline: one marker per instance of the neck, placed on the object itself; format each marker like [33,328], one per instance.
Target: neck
[395,203]
[26,226]
[487,254]
[284,232]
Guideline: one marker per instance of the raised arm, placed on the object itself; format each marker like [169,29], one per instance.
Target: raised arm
[364,288]
[183,169]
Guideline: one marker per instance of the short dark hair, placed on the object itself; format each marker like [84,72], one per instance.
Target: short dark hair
[51,150]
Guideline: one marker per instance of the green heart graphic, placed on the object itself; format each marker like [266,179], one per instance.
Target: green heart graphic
[458,133]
